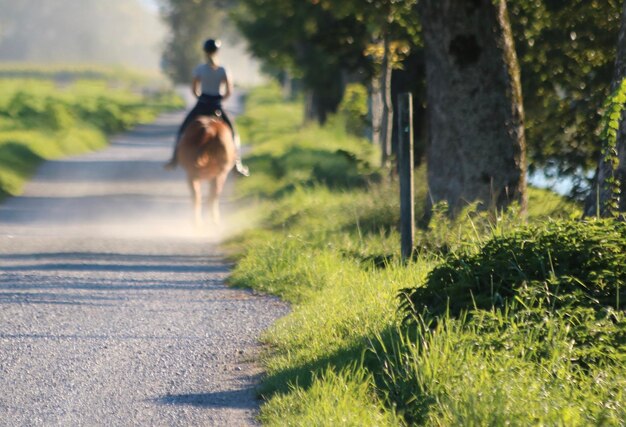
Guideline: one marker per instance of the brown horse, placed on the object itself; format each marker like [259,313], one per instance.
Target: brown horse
[206,152]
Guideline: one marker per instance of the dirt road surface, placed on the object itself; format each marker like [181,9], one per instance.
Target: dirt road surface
[113,308]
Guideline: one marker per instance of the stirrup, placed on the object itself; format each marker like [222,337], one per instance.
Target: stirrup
[241,168]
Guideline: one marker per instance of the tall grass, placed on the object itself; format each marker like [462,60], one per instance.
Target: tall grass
[457,375]
[352,403]
[326,240]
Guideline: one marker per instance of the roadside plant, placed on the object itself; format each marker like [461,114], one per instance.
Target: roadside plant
[610,124]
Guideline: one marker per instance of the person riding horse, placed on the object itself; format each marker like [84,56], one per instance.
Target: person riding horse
[208,80]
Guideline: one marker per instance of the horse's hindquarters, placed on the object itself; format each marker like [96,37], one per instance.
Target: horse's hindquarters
[206,152]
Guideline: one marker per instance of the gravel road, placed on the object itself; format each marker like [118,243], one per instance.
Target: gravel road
[113,309]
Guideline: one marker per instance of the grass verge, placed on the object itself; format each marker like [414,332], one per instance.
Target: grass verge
[56,112]
[326,240]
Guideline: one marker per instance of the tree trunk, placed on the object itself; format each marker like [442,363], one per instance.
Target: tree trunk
[476,149]
[595,204]
[310,114]
[374,111]
[386,131]
[286,84]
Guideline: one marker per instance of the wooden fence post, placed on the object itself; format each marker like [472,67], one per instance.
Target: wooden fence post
[405,171]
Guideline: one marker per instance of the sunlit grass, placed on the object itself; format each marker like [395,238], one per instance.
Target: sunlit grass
[42,117]
[21,151]
[458,375]
[352,403]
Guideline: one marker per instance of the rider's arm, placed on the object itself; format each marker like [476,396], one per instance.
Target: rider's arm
[196,88]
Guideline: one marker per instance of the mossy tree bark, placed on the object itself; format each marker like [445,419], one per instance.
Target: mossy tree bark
[595,205]
[476,149]
[387,118]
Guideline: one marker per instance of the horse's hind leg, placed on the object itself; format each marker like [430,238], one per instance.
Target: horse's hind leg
[215,190]
[196,196]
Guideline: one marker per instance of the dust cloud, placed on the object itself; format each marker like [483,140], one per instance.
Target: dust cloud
[120,192]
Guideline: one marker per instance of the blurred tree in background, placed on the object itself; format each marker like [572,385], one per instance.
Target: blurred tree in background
[567,53]
[329,43]
[392,28]
[190,23]
[309,43]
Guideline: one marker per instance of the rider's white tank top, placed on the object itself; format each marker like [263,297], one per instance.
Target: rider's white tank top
[211,78]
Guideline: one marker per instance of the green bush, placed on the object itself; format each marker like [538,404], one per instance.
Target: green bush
[562,263]
[567,273]
[353,108]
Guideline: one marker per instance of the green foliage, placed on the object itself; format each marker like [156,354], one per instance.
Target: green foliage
[111,107]
[16,161]
[534,315]
[275,264]
[316,249]
[567,54]
[471,226]
[559,264]
[309,42]
[613,108]
[398,19]
[21,151]
[544,204]
[354,108]
[566,51]
[30,111]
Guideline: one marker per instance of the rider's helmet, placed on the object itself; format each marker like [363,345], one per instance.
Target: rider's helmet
[211,45]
